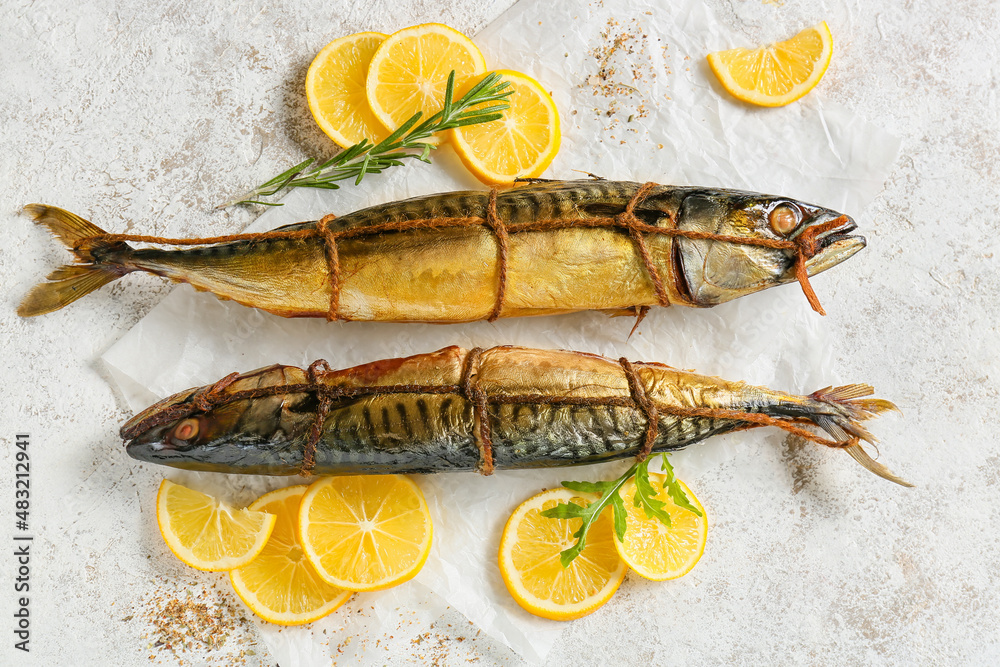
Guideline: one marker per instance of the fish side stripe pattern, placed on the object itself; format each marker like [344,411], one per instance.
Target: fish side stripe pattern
[216,395]
[804,245]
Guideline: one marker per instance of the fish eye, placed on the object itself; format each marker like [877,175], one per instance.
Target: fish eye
[186,430]
[783,219]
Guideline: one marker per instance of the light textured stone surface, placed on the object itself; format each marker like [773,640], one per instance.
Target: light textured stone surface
[144,114]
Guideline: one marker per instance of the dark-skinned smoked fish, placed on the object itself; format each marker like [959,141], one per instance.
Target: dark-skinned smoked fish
[458,410]
[544,248]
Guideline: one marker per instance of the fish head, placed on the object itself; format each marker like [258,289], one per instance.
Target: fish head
[229,432]
[712,271]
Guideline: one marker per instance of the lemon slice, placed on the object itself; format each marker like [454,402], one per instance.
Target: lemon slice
[207,534]
[521,144]
[409,72]
[365,533]
[280,585]
[532,571]
[335,89]
[653,550]
[776,74]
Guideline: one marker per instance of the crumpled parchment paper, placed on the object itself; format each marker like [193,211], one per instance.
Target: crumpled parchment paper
[637,102]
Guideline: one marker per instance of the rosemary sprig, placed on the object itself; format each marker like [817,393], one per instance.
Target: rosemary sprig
[645,498]
[483,103]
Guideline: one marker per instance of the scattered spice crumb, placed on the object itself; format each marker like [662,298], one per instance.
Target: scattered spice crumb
[625,71]
[199,619]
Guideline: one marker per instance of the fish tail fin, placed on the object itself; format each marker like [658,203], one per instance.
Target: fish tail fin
[101,261]
[859,454]
[852,397]
[846,406]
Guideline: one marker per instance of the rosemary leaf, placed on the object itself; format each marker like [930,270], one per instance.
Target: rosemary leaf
[484,102]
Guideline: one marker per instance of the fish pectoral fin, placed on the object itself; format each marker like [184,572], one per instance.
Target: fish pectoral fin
[859,454]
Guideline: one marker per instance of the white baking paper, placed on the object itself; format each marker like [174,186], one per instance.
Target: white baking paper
[672,124]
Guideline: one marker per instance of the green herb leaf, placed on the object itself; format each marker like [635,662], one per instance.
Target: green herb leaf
[674,489]
[483,103]
[590,513]
[566,511]
[618,514]
[599,488]
[645,496]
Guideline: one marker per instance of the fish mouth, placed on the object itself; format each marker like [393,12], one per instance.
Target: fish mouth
[835,246]
[163,452]
[144,420]
[153,451]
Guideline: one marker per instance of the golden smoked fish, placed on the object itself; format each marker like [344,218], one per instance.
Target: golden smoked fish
[459,410]
[537,249]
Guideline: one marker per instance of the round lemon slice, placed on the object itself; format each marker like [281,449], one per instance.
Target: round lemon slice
[532,571]
[652,549]
[409,71]
[365,533]
[522,144]
[776,74]
[280,585]
[335,89]
[207,534]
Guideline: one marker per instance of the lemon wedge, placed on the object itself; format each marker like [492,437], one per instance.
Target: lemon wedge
[532,571]
[519,145]
[776,74]
[652,549]
[207,534]
[365,533]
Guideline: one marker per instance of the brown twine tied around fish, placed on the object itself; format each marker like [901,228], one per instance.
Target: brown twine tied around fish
[638,392]
[804,246]
[322,410]
[482,432]
[217,395]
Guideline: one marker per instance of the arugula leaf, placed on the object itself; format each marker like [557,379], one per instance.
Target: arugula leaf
[590,513]
[618,514]
[599,488]
[671,486]
[645,497]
